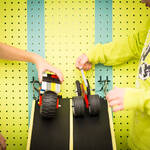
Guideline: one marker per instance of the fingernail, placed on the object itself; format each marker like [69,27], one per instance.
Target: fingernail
[80,67]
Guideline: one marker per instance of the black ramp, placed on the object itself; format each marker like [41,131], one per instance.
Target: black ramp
[51,134]
[93,133]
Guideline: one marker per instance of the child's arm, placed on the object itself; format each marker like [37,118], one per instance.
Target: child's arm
[114,53]
[119,51]
[11,53]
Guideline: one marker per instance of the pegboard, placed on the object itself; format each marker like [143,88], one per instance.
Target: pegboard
[103,34]
[36,41]
[71,28]
[69,31]
[13,75]
[128,17]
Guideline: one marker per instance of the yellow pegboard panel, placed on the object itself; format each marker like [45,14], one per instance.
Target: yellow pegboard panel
[13,76]
[69,31]
[128,17]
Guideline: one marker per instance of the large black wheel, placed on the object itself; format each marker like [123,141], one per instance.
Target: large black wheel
[49,102]
[94,105]
[79,93]
[88,88]
[78,106]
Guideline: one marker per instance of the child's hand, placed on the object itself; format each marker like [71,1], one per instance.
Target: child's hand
[115,98]
[2,143]
[82,62]
[42,66]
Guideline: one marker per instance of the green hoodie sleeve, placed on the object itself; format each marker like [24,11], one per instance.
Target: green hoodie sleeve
[118,52]
[137,99]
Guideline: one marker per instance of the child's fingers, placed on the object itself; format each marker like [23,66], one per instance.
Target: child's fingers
[60,76]
[112,94]
[110,97]
[78,65]
[40,76]
[87,66]
[114,102]
[81,61]
[78,62]
[117,108]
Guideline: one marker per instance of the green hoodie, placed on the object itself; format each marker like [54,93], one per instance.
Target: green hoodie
[137,99]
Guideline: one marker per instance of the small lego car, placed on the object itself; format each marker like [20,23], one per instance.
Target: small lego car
[84,100]
[49,95]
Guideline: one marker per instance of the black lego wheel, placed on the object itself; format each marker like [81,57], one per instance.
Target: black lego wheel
[88,88]
[78,106]
[49,102]
[94,105]
[79,93]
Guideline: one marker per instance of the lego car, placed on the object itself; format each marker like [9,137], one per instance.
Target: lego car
[84,101]
[49,95]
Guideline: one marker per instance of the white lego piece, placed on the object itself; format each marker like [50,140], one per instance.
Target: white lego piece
[44,74]
[44,85]
[57,88]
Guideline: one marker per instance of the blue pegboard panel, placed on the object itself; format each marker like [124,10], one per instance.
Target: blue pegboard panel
[103,34]
[36,40]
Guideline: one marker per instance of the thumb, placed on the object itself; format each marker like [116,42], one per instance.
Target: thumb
[40,76]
